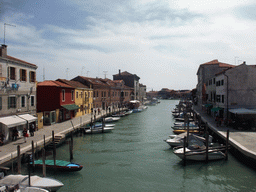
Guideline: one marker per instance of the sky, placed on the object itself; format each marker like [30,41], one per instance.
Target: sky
[163,42]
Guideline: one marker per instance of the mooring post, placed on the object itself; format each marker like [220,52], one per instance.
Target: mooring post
[44,166]
[184,150]
[71,146]
[207,145]
[227,141]
[54,150]
[44,141]
[33,155]
[19,161]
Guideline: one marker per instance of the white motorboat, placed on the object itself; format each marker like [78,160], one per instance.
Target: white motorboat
[99,125]
[35,181]
[195,154]
[22,189]
[111,119]
[128,112]
[99,130]
[180,127]
[178,140]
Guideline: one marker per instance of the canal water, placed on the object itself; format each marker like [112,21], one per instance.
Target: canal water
[134,157]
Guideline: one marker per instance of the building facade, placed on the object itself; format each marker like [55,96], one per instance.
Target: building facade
[17,94]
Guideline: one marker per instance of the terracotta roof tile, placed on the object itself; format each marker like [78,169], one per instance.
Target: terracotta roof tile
[75,84]
[53,83]
[19,60]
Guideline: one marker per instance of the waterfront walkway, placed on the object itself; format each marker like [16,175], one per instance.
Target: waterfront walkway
[242,140]
[9,151]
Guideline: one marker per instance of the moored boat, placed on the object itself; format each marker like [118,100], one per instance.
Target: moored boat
[99,130]
[61,165]
[111,119]
[195,154]
[179,131]
[35,181]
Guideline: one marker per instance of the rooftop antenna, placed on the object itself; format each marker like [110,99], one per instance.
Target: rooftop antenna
[87,73]
[43,74]
[82,71]
[67,73]
[5,27]
[105,74]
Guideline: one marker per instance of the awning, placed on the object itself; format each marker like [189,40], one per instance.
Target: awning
[27,117]
[208,105]
[71,107]
[242,111]
[12,121]
[216,109]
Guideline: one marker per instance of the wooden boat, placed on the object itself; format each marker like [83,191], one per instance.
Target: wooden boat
[128,112]
[179,127]
[179,131]
[61,165]
[35,181]
[198,154]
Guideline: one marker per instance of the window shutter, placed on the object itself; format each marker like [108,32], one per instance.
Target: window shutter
[26,75]
[30,76]
[21,75]
[9,102]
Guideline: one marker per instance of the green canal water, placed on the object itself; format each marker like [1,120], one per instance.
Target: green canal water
[134,157]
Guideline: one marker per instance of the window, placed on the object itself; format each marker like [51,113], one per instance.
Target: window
[81,108]
[12,73]
[213,80]
[97,94]
[11,102]
[63,95]
[218,98]
[72,95]
[222,99]
[23,101]
[23,75]
[222,82]
[81,94]
[32,101]
[0,103]
[77,94]
[109,94]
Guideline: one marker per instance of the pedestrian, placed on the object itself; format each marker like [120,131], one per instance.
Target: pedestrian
[32,129]
[2,136]
[98,111]
[15,134]
[25,135]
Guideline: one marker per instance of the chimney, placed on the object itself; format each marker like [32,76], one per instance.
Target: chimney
[3,51]
[119,71]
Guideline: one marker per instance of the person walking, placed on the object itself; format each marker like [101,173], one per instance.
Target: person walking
[32,129]
[25,135]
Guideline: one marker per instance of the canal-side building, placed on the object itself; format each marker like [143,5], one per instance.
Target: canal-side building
[83,96]
[130,80]
[236,88]
[17,94]
[206,77]
[142,92]
[57,101]
[100,90]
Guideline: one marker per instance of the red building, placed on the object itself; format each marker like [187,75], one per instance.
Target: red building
[56,100]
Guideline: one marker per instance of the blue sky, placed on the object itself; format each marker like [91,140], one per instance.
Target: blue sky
[161,41]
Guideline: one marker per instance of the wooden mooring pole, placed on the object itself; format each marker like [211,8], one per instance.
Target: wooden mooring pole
[44,166]
[54,150]
[33,155]
[227,141]
[44,141]
[18,160]
[71,147]
[207,144]
[184,150]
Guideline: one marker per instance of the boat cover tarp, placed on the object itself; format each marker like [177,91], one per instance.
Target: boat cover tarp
[242,111]
[51,162]
[216,109]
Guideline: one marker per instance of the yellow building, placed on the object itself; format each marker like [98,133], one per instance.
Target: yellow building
[83,96]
